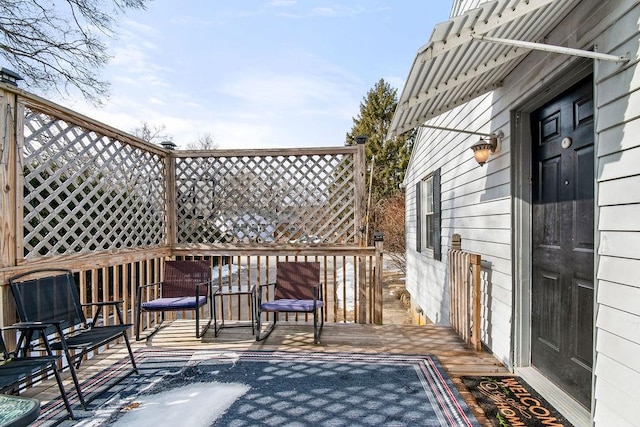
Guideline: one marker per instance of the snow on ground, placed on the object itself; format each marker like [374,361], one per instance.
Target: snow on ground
[345,279]
[193,405]
[197,404]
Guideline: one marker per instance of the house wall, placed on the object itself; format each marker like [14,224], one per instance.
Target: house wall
[477,202]
[618,176]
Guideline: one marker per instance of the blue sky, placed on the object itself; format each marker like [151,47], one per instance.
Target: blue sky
[259,73]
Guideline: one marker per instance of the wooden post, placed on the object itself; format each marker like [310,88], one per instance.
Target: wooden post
[456,242]
[360,219]
[362,289]
[360,166]
[476,264]
[11,189]
[8,184]
[378,242]
[170,201]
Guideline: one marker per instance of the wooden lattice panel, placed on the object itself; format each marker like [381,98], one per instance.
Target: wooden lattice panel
[292,199]
[85,192]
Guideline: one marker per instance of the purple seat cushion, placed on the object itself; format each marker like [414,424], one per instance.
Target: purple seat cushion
[291,305]
[178,303]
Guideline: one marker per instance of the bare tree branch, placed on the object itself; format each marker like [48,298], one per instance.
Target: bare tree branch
[58,46]
[155,134]
[204,142]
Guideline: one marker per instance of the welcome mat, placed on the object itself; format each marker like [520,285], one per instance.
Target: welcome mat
[509,401]
[253,388]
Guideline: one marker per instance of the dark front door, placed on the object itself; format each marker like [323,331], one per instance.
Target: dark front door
[563,219]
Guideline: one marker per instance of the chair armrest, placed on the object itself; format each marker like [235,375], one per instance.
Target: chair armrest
[26,330]
[208,289]
[318,290]
[148,285]
[101,303]
[117,304]
[32,325]
[259,290]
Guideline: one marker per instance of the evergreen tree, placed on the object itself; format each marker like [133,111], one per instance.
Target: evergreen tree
[391,157]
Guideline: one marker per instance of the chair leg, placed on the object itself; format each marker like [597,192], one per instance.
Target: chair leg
[197,310]
[258,324]
[318,331]
[260,337]
[70,362]
[63,392]
[74,377]
[133,361]
[216,328]
[215,316]
[200,334]
[138,319]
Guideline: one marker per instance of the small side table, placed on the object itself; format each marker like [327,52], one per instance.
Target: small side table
[18,411]
[225,291]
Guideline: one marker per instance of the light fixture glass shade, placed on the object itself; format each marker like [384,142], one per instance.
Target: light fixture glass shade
[482,150]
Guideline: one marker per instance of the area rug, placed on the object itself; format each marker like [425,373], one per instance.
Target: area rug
[509,401]
[264,388]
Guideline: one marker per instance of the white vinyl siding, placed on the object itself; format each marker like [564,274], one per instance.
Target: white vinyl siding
[617,170]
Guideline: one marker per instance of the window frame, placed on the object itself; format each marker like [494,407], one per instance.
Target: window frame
[428,204]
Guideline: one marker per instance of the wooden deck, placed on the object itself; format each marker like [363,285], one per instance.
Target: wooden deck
[457,358]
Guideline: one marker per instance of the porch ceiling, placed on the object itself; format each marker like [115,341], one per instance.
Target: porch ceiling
[454,68]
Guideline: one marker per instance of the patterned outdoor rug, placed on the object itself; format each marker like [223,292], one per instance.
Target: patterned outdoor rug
[509,401]
[252,388]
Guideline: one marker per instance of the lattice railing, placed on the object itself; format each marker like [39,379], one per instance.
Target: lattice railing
[85,191]
[298,198]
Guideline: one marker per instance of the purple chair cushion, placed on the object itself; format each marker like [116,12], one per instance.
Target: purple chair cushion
[178,303]
[291,305]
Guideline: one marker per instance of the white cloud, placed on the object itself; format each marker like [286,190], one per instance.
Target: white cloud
[281,3]
[323,11]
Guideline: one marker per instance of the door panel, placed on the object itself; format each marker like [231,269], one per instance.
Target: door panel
[563,242]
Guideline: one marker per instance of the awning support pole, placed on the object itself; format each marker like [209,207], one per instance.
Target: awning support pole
[454,130]
[554,49]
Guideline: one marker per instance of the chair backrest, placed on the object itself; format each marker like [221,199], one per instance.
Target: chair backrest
[48,295]
[181,277]
[295,280]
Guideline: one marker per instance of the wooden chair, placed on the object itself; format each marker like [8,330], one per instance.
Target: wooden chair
[186,285]
[297,290]
[50,296]
[16,370]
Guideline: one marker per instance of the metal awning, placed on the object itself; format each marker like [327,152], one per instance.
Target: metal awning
[457,66]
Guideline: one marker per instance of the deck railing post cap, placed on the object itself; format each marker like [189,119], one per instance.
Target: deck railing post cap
[378,236]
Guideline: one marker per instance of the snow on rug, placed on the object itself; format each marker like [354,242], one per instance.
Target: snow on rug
[252,388]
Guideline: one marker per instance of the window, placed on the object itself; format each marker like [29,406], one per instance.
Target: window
[426,207]
[428,215]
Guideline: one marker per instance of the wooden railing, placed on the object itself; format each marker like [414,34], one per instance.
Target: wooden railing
[464,287]
[351,278]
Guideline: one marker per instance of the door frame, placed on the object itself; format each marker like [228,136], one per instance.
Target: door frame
[521,190]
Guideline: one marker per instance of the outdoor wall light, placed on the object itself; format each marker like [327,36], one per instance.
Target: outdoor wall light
[8,76]
[485,147]
[168,145]
[361,139]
